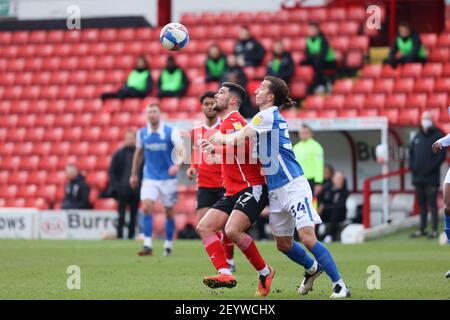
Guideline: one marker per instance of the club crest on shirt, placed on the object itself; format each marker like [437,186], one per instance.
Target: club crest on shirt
[237,125]
[257,119]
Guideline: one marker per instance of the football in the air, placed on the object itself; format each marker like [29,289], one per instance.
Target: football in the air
[174,36]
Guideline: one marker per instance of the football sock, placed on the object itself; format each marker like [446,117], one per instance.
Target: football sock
[325,260]
[248,248]
[169,228]
[168,244]
[148,230]
[228,247]
[339,282]
[216,253]
[447,227]
[299,256]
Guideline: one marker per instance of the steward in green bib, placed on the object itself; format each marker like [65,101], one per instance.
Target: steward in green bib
[215,64]
[406,48]
[281,65]
[172,80]
[138,85]
[320,55]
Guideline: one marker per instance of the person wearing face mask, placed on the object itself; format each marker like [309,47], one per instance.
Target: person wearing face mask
[139,83]
[425,167]
[172,81]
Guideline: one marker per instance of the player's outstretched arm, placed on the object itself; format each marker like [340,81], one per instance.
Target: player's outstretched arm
[235,138]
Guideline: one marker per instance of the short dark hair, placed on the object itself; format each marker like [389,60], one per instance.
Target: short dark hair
[153,104]
[236,89]
[207,94]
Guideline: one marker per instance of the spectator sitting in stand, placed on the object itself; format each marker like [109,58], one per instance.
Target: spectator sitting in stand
[173,81]
[248,50]
[408,46]
[215,64]
[76,191]
[139,83]
[281,65]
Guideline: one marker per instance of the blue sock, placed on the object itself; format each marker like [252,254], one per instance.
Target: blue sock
[325,260]
[299,256]
[170,228]
[148,225]
[447,227]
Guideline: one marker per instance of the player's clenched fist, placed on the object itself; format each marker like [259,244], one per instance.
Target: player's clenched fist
[190,173]
[437,146]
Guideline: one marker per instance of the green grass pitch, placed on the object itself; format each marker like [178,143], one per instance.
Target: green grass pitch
[410,269]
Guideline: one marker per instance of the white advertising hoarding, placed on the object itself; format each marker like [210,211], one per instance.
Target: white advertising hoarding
[18,223]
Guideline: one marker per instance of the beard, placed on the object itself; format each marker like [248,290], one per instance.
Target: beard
[219,108]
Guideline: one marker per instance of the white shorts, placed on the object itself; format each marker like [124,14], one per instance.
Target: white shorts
[291,208]
[165,190]
[447,176]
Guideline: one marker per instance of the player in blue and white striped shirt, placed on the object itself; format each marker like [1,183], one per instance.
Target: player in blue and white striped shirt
[156,145]
[290,196]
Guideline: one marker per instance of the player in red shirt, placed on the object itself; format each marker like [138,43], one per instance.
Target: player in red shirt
[209,174]
[245,198]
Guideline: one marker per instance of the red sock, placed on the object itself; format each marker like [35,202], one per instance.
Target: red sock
[228,246]
[248,247]
[215,252]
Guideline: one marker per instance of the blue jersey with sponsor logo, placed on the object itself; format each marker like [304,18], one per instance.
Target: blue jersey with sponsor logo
[274,148]
[158,148]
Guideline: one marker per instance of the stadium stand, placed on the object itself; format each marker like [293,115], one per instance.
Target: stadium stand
[51,113]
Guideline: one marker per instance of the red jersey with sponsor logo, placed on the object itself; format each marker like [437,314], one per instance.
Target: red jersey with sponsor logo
[209,175]
[240,168]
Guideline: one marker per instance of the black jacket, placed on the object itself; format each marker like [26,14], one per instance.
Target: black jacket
[76,194]
[286,67]
[252,50]
[336,202]
[326,194]
[415,50]
[323,48]
[424,164]
[120,172]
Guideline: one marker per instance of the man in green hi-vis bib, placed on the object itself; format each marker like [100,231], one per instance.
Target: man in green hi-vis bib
[407,47]
[172,80]
[138,85]
[319,55]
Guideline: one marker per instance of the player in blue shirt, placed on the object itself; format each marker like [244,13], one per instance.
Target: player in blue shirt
[157,144]
[290,196]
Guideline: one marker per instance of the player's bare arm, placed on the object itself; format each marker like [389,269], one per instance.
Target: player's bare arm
[138,157]
[235,138]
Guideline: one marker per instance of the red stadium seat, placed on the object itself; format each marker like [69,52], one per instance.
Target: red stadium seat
[391,114]
[48,192]
[437,100]
[355,101]
[143,34]
[38,203]
[432,69]
[189,104]
[376,101]
[97,180]
[20,37]
[417,100]
[411,70]
[363,86]
[56,178]
[329,28]
[305,114]
[396,101]
[360,43]
[442,85]
[79,148]
[16,135]
[53,134]
[348,28]
[49,163]
[334,101]
[72,134]
[327,113]
[298,89]
[42,149]
[385,86]
[409,117]
[26,121]
[317,14]
[424,85]
[365,112]
[356,13]
[348,113]
[87,163]
[35,134]
[45,120]
[354,59]
[305,73]
[110,134]
[99,148]
[429,40]
[37,177]
[7,148]
[314,102]
[340,43]
[337,14]
[388,72]
[15,203]
[5,37]
[105,204]
[403,85]
[61,148]
[18,178]
[446,70]
[439,54]
[28,191]
[444,39]
[169,104]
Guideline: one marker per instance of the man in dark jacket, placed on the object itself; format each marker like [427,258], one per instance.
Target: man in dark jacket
[281,65]
[76,191]
[248,51]
[139,82]
[425,167]
[408,46]
[119,177]
[333,208]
